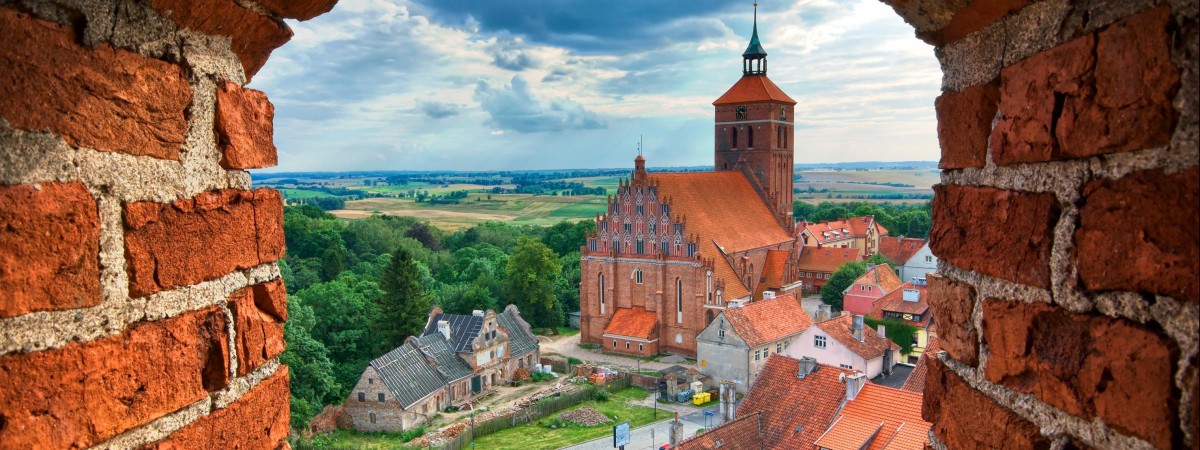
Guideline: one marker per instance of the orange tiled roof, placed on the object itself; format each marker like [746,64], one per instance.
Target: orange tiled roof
[886,417]
[741,433]
[633,322]
[899,249]
[795,412]
[722,207]
[872,346]
[836,230]
[767,320]
[826,259]
[894,302]
[916,379]
[754,88]
[773,269]
[882,276]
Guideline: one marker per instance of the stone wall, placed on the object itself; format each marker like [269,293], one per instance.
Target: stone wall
[1066,223]
[140,301]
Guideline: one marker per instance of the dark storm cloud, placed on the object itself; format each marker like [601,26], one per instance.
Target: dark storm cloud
[439,110]
[515,108]
[586,26]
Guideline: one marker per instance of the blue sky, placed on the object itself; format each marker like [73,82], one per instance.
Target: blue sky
[544,84]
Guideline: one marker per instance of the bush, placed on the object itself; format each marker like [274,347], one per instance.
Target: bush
[555,423]
[539,377]
[573,360]
[601,395]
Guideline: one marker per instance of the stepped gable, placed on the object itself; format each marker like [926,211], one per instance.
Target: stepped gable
[872,346]
[751,89]
[520,337]
[795,411]
[879,417]
[722,209]
[635,322]
[899,249]
[768,320]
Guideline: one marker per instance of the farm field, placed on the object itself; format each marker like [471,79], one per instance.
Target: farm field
[480,204]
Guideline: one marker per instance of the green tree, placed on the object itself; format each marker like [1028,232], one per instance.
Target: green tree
[404,304]
[832,291]
[529,282]
[802,210]
[333,262]
[462,298]
[878,259]
[312,382]
[344,309]
[898,331]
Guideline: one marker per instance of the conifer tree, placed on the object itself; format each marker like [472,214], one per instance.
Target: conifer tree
[404,305]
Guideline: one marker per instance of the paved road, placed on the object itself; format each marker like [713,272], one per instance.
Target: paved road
[654,435]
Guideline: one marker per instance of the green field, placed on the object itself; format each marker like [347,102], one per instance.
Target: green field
[520,209]
[538,435]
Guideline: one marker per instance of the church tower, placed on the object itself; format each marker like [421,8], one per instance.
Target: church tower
[754,131]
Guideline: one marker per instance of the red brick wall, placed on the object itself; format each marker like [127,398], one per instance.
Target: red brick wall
[1066,223]
[140,301]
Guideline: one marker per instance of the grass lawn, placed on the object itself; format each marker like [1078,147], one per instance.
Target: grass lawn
[346,439]
[561,331]
[534,436]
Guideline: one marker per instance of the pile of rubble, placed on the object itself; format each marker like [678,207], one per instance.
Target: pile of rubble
[587,416]
[449,432]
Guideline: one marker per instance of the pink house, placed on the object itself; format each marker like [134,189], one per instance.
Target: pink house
[860,297]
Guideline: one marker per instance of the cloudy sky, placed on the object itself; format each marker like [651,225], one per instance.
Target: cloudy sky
[546,84]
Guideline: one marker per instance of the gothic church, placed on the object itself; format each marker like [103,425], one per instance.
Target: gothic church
[674,249]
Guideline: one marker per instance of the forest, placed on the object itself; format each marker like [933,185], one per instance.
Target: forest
[358,288]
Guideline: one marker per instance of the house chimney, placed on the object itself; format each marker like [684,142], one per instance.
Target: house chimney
[444,328]
[727,397]
[767,295]
[824,312]
[918,281]
[477,313]
[856,327]
[854,384]
[807,365]
[882,331]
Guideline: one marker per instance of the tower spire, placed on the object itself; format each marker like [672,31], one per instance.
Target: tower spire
[754,59]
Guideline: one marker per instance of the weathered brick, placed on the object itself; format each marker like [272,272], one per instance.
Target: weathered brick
[1087,365]
[258,315]
[963,418]
[85,393]
[102,98]
[296,9]
[1005,234]
[49,249]
[258,420]
[244,128]
[198,239]
[952,303]
[253,35]
[964,123]
[1104,93]
[1140,233]
[972,17]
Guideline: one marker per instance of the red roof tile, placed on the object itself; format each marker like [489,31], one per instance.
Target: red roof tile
[764,321]
[773,269]
[754,88]
[825,259]
[887,417]
[836,230]
[872,346]
[916,379]
[744,432]
[795,411]
[633,322]
[899,249]
[723,209]
[881,275]
[894,302]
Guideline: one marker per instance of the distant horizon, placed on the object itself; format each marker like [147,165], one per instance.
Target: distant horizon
[536,84]
[878,165]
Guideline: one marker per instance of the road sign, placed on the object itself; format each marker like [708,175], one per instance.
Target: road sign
[621,434]
[708,413]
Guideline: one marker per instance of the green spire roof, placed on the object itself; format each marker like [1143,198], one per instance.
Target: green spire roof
[755,49]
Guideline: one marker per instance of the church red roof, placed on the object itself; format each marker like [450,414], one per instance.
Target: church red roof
[723,209]
[635,322]
[754,88]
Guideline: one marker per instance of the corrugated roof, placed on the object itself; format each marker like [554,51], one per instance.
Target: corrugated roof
[635,322]
[520,338]
[764,321]
[881,275]
[916,379]
[795,411]
[872,346]
[899,249]
[447,363]
[886,417]
[826,259]
[407,374]
[463,330]
[753,88]
[723,209]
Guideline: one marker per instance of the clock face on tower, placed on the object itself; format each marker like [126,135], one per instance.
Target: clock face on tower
[740,112]
[782,112]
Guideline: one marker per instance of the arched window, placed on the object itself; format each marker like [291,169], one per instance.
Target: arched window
[708,287]
[666,249]
[750,137]
[637,276]
[678,300]
[733,143]
[785,137]
[779,136]
[600,284]
[641,249]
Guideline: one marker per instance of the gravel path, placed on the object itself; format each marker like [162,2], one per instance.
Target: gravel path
[569,347]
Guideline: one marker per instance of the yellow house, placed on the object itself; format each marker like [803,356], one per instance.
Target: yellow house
[859,233]
[909,305]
